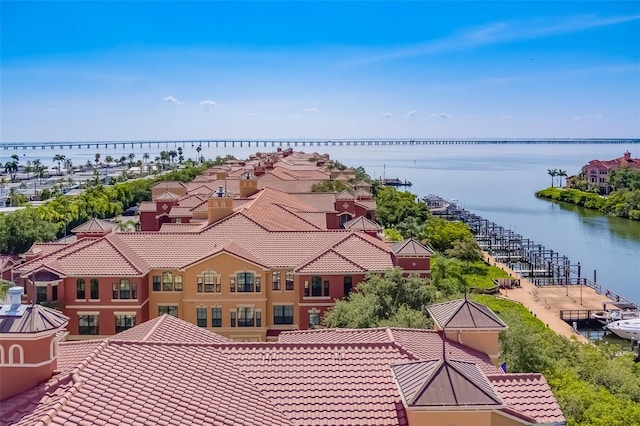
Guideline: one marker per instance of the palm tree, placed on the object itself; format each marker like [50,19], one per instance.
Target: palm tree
[198,149]
[562,173]
[108,159]
[145,158]
[131,157]
[97,160]
[173,154]
[68,165]
[11,167]
[553,173]
[59,158]
[180,156]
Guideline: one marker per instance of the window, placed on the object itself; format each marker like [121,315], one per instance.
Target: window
[177,283]
[245,317]
[211,283]
[233,319]
[125,289]
[95,289]
[156,283]
[288,279]
[201,316]
[171,310]
[283,314]
[167,281]
[80,293]
[314,319]
[54,292]
[275,280]
[87,324]
[244,282]
[258,319]
[317,289]
[316,286]
[41,294]
[125,322]
[216,317]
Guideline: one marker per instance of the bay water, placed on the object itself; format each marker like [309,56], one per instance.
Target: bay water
[496,182]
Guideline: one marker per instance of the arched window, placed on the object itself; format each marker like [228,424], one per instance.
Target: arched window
[16,354]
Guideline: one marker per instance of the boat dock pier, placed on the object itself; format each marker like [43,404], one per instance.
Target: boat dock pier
[550,282]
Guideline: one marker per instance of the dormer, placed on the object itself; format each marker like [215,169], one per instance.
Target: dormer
[469,323]
[28,344]
[219,205]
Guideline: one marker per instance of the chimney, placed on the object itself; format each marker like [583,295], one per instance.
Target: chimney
[219,207]
[29,345]
[248,185]
[627,156]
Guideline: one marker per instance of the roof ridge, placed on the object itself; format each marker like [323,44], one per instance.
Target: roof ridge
[126,257]
[289,208]
[154,328]
[324,253]
[83,242]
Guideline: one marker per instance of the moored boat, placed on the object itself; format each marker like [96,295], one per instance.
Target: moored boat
[626,329]
[606,317]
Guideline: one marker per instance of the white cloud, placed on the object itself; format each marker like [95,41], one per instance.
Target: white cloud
[173,100]
[445,115]
[209,104]
[312,109]
[578,118]
[386,114]
[496,33]
[412,113]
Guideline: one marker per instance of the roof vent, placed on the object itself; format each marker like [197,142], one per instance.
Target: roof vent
[220,191]
[15,307]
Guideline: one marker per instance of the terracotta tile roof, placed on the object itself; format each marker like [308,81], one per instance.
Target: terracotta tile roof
[182,227]
[169,184]
[191,200]
[437,383]
[179,211]
[465,314]
[147,206]
[411,247]
[94,225]
[529,394]
[330,261]
[50,254]
[345,195]
[197,392]
[362,193]
[272,181]
[169,371]
[43,249]
[34,319]
[361,223]
[320,201]
[166,196]
[367,204]
[419,343]
[167,328]
[326,384]
[105,257]
[7,261]
[230,247]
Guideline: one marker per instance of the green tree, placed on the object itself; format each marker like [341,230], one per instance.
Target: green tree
[59,158]
[466,249]
[389,299]
[441,234]
[11,167]
[553,173]
[396,206]
[20,229]
[329,186]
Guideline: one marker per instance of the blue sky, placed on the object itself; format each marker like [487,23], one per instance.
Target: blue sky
[118,70]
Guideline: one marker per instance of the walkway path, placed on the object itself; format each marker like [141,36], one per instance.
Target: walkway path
[546,303]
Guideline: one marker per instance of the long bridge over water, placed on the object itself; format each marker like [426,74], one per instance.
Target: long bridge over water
[7,146]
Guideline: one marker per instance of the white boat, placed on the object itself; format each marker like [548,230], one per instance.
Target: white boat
[626,329]
[606,317]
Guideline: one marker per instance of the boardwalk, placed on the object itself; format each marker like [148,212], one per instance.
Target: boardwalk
[547,302]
